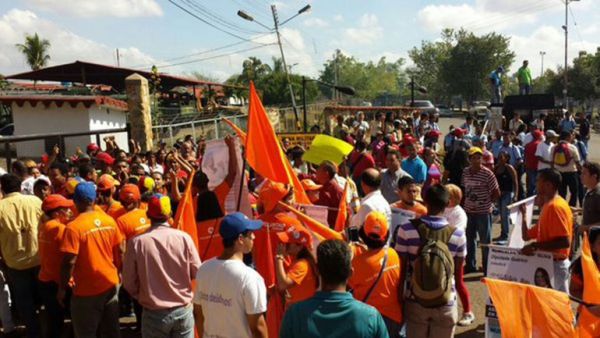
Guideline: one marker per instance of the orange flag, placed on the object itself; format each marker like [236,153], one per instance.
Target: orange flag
[240,133]
[185,218]
[589,325]
[342,216]
[530,311]
[314,225]
[263,151]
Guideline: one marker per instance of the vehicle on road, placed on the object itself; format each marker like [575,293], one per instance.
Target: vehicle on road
[479,108]
[444,111]
[425,106]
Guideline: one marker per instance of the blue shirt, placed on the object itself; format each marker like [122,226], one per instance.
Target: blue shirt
[415,168]
[332,314]
[496,78]
[567,125]
[512,150]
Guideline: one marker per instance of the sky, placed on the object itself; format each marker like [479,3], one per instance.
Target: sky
[148,32]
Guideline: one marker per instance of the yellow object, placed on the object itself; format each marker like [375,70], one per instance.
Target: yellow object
[19,220]
[324,148]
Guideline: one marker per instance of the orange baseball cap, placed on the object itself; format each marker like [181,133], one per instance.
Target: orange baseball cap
[70,185]
[271,193]
[309,185]
[56,201]
[376,225]
[107,182]
[130,192]
[296,234]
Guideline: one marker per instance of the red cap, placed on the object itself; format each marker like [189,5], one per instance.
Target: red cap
[130,192]
[459,132]
[104,157]
[107,182]
[93,147]
[434,133]
[56,201]
[537,135]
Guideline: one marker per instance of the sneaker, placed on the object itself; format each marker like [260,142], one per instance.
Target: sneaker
[467,319]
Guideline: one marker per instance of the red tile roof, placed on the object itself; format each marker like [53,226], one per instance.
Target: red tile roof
[60,100]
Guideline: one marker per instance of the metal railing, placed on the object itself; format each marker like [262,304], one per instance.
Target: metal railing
[210,129]
[7,141]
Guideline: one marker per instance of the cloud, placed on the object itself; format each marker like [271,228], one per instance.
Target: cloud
[316,23]
[99,8]
[338,18]
[367,32]
[66,46]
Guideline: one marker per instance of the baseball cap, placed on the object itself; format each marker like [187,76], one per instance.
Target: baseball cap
[130,192]
[459,132]
[159,207]
[271,194]
[107,182]
[537,135]
[309,185]
[551,133]
[56,201]
[92,147]
[376,225]
[475,150]
[237,223]
[70,185]
[145,184]
[296,234]
[104,157]
[85,192]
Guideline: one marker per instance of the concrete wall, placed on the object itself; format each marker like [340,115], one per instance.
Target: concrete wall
[105,118]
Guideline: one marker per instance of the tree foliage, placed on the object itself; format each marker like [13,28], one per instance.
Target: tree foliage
[35,51]
[370,79]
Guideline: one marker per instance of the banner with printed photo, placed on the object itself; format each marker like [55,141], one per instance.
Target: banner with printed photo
[510,265]
[516,219]
[318,212]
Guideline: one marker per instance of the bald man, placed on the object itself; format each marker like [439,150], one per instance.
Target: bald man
[373,200]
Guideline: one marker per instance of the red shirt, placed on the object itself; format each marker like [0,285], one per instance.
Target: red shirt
[531,161]
[330,195]
[360,162]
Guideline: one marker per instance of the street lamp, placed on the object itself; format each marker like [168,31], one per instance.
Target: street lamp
[248,17]
[348,90]
[566,29]
[542,53]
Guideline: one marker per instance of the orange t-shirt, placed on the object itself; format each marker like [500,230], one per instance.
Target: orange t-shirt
[418,208]
[115,210]
[93,237]
[367,264]
[133,223]
[304,279]
[50,236]
[210,243]
[263,259]
[556,220]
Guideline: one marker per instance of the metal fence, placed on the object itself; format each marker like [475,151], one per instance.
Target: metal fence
[210,129]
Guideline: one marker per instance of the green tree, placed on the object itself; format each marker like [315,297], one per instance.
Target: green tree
[471,59]
[35,51]
[583,77]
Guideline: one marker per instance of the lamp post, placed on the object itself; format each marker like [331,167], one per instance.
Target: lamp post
[566,29]
[348,90]
[542,53]
[248,17]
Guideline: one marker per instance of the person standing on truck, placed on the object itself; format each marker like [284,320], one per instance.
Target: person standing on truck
[524,77]
[496,83]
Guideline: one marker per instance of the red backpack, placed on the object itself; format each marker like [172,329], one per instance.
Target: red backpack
[562,154]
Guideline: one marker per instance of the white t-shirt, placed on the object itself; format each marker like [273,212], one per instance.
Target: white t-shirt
[544,151]
[27,185]
[228,290]
[571,166]
[364,125]
[456,217]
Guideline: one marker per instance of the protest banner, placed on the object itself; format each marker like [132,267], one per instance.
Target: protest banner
[298,139]
[510,265]
[318,212]
[325,147]
[214,162]
[516,219]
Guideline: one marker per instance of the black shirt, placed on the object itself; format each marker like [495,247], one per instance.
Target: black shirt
[591,206]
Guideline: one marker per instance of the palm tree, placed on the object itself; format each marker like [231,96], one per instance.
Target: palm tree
[35,51]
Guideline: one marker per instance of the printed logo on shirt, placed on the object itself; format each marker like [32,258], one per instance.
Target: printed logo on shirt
[97,223]
[215,298]
[142,220]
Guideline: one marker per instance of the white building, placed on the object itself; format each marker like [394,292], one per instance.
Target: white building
[43,114]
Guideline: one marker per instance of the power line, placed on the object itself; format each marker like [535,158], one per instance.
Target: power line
[504,18]
[215,56]
[211,15]
[575,24]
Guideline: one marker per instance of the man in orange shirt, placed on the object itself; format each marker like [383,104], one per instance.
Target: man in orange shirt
[134,221]
[91,245]
[380,292]
[210,206]
[57,211]
[107,186]
[554,230]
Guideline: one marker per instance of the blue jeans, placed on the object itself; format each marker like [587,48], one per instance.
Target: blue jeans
[505,199]
[478,224]
[96,316]
[174,322]
[531,178]
[25,287]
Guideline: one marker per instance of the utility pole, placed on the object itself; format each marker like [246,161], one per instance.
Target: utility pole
[118,58]
[566,28]
[542,53]
[285,68]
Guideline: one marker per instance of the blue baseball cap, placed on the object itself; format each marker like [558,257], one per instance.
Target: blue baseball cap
[85,192]
[237,223]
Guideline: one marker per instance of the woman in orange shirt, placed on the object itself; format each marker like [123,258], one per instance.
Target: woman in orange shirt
[299,278]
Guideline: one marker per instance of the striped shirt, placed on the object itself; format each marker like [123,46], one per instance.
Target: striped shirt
[478,189]
[409,242]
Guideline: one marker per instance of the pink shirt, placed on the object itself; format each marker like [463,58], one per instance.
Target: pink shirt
[159,267]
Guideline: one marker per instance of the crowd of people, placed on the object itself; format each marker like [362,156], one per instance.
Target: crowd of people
[91,236]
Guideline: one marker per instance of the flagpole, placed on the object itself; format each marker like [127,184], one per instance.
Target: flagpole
[243,174]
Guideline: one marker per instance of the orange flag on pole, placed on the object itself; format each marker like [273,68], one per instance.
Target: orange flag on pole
[185,218]
[589,325]
[240,133]
[531,311]
[312,224]
[263,151]
[342,216]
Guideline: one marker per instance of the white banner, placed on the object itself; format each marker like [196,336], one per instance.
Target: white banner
[516,219]
[510,265]
[215,163]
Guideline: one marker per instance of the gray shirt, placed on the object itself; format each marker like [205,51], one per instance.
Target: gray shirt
[389,183]
[591,205]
